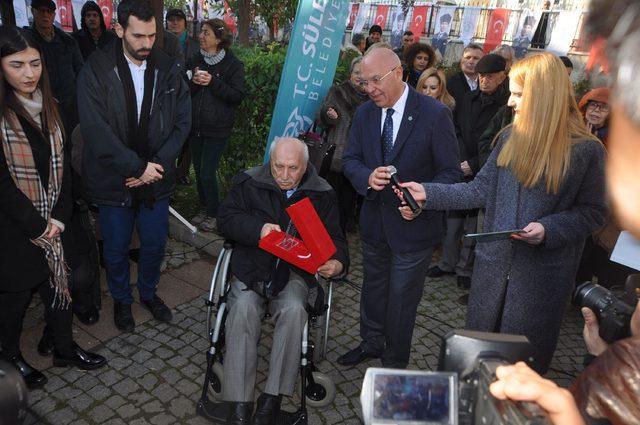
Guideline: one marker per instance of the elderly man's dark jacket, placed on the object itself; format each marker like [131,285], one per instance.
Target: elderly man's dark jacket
[83,36]
[108,159]
[256,199]
[472,116]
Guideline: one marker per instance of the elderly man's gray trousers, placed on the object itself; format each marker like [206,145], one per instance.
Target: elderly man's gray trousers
[246,310]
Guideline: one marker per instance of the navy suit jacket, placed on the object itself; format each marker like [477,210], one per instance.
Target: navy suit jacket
[425,150]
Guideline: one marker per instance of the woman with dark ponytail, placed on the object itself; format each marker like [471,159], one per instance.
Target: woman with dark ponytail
[36,202]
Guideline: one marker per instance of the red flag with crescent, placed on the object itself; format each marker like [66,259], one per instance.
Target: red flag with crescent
[418,21]
[495,29]
[381,15]
[229,19]
[107,10]
[65,15]
[352,15]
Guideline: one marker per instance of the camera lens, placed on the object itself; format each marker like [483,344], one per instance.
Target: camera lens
[593,296]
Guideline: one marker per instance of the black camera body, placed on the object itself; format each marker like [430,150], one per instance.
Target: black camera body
[614,314]
[474,356]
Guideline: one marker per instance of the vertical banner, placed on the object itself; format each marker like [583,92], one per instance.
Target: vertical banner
[469,24]
[442,28]
[353,14]
[495,29]
[230,19]
[64,15]
[527,25]
[107,10]
[76,5]
[361,18]
[381,15]
[418,21]
[563,32]
[398,25]
[309,67]
[20,10]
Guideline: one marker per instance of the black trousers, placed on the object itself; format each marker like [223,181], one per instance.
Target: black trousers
[13,306]
[346,195]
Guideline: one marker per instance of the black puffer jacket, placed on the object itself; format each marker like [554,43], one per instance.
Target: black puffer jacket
[214,106]
[107,159]
[256,199]
[84,38]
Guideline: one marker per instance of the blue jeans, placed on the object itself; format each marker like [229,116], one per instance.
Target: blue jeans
[116,224]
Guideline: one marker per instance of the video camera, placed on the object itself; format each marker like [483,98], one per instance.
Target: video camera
[613,313]
[458,393]
[13,395]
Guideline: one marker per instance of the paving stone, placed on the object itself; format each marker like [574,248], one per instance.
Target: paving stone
[80,403]
[115,402]
[87,382]
[62,416]
[101,413]
[127,411]
[126,387]
[148,382]
[110,377]
[163,419]
[181,407]
[164,392]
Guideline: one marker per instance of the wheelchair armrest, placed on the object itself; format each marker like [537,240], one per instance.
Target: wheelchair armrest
[228,244]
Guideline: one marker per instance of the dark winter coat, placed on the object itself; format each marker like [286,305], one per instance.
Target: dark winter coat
[107,159]
[63,61]
[457,86]
[344,99]
[22,264]
[214,106]
[500,120]
[83,37]
[256,199]
[518,288]
[472,116]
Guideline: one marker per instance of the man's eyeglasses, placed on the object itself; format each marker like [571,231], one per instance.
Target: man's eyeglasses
[593,105]
[375,80]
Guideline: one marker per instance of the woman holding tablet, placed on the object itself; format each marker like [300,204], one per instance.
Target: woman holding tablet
[545,177]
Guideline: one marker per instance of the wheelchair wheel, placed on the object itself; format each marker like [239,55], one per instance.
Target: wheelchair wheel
[216,380]
[321,393]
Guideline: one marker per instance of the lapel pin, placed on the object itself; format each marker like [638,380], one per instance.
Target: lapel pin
[410,118]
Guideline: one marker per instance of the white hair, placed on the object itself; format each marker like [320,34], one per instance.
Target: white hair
[303,145]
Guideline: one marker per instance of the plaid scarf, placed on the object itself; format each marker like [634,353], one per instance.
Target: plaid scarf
[22,169]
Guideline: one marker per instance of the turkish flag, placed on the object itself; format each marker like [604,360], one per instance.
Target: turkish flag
[495,29]
[229,18]
[418,21]
[107,10]
[65,15]
[353,14]
[381,16]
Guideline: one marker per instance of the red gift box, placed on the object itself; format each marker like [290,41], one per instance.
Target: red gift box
[308,253]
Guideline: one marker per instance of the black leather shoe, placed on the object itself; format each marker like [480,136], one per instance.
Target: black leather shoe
[78,358]
[267,409]
[45,346]
[355,356]
[122,317]
[32,376]
[240,413]
[88,317]
[436,271]
[159,310]
[464,282]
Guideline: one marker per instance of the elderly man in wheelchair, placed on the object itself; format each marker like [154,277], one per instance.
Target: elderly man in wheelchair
[260,282]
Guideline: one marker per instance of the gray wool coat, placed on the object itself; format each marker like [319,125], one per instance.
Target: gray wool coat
[518,288]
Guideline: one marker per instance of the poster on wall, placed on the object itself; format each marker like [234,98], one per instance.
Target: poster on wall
[398,26]
[361,17]
[353,14]
[563,32]
[469,24]
[64,15]
[20,10]
[524,34]
[443,27]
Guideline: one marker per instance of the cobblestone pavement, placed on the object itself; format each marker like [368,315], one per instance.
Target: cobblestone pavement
[154,375]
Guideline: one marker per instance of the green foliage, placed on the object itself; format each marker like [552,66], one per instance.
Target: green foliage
[581,87]
[344,63]
[262,67]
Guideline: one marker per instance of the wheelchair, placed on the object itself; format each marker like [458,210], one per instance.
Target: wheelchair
[316,388]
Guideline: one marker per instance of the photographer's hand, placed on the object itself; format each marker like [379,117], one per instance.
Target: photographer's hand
[520,383]
[590,333]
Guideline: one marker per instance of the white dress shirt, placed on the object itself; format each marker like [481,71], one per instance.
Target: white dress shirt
[137,75]
[473,82]
[398,111]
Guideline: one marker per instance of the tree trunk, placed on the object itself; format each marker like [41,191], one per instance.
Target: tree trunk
[158,8]
[244,21]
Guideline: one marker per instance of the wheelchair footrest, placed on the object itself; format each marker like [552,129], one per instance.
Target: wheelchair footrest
[217,412]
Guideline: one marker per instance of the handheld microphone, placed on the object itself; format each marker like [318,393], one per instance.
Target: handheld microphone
[408,198]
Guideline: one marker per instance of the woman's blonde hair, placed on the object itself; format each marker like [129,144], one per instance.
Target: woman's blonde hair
[444,97]
[547,124]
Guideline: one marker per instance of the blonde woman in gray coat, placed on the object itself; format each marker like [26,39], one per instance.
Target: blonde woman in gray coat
[546,177]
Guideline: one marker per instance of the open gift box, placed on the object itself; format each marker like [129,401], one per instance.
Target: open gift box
[308,253]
